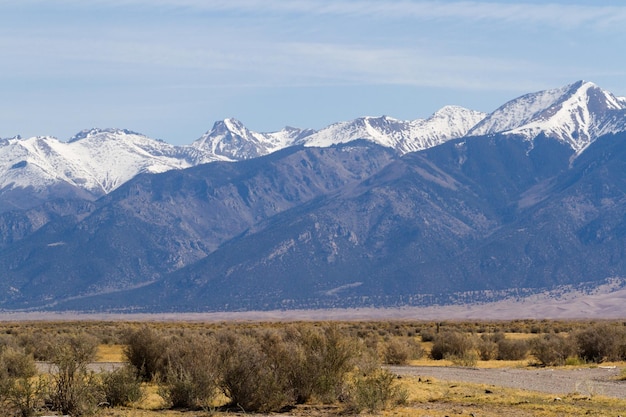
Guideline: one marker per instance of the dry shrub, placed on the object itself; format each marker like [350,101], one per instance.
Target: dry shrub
[375,392]
[466,359]
[512,350]
[552,349]
[251,378]
[121,387]
[8,341]
[487,349]
[268,370]
[331,356]
[20,393]
[75,391]
[192,376]
[145,350]
[427,335]
[600,342]
[399,351]
[450,344]
[38,343]
[15,363]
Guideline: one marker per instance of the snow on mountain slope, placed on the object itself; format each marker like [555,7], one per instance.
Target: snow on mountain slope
[576,114]
[405,136]
[230,139]
[111,157]
[100,160]
[95,160]
[27,162]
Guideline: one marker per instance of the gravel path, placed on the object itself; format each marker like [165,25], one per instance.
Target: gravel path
[46,367]
[585,381]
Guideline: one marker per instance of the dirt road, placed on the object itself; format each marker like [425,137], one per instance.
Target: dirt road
[584,381]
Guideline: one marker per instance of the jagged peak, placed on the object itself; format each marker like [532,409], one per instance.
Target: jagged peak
[226,126]
[542,105]
[588,91]
[381,118]
[451,110]
[234,124]
[83,134]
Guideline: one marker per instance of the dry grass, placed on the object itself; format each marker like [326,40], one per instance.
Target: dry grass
[110,353]
[434,398]
[440,398]
[519,336]
[133,412]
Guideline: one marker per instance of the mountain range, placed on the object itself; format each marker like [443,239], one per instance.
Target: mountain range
[378,212]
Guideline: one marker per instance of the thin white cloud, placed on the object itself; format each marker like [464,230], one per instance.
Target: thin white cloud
[211,52]
[259,62]
[551,14]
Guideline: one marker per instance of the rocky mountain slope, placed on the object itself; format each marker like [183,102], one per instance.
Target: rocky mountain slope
[97,161]
[155,224]
[576,114]
[374,212]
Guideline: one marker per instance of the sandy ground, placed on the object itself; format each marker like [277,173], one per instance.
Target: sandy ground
[606,302]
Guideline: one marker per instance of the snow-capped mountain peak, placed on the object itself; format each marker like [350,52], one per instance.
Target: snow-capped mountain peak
[576,114]
[450,122]
[230,139]
[99,132]
[96,161]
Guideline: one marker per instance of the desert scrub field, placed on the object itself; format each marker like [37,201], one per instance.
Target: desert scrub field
[300,368]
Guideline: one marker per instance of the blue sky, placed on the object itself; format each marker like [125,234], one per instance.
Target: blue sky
[170,68]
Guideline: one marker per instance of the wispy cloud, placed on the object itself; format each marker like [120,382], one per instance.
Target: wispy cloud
[552,14]
[236,51]
[259,62]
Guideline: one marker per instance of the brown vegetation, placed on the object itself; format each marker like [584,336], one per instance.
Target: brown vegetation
[267,367]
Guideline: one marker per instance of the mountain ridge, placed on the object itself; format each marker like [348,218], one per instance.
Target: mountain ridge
[96,161]
[376,212]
